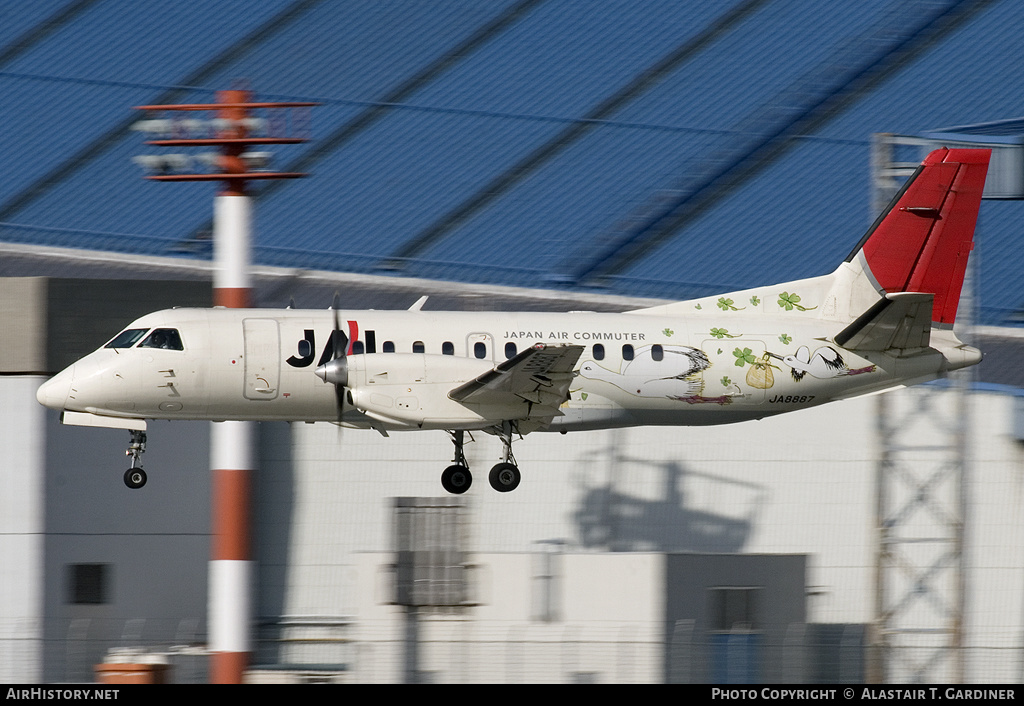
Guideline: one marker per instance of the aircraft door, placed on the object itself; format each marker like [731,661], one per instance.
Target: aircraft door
[262,359]
[480,346]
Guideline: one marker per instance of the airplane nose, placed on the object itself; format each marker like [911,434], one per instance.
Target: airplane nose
[54,392]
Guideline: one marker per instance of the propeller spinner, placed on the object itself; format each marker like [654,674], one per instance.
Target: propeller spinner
[335,370]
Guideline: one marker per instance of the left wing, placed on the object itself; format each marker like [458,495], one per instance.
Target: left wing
[532,385]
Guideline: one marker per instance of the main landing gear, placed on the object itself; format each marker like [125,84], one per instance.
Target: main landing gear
[504,477]
[135,477]
[456,479]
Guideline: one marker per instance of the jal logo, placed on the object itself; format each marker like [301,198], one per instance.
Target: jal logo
[337,340]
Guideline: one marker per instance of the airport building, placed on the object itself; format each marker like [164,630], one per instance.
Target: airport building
[516,155]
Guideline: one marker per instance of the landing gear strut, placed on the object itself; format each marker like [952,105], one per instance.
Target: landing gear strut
[135,477]
[456,479]
[505,476]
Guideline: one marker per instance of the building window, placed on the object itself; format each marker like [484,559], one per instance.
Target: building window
[88,584]
[733,608]
[546,582]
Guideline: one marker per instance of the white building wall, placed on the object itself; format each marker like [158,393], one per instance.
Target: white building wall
[995,543]
[799,483]
[609,630]
[22,438]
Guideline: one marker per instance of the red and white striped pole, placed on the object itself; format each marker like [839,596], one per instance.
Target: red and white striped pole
[231,565]
[232,443]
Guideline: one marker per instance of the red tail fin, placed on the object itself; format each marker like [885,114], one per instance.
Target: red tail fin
[922,240]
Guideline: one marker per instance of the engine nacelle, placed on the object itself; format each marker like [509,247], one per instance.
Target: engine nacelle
[411,389]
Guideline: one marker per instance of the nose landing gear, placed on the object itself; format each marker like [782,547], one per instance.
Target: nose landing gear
[135,477]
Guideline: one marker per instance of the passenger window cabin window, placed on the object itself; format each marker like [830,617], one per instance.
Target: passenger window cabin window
[388,347]
[165,338]
[418,347]
[480,349]
[657,352]
[447,348]
[358,348]
[127,338]
[627,352]
[598,351]
[510,350]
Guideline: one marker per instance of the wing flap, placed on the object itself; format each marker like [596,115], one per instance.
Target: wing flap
[533,384]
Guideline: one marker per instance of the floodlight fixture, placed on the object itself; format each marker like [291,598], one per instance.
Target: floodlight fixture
[234,128]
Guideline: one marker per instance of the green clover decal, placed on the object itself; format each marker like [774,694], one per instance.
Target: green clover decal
[667,331]
[792,301]
[723,333]
[785,339]
[696,306]
[743,357]
[726,304]
[755,300]
[726,381]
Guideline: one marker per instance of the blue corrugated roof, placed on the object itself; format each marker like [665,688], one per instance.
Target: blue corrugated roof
[473,105]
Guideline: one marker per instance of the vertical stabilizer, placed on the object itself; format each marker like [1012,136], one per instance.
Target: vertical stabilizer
[922,240]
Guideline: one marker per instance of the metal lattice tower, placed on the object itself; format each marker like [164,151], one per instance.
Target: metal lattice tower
[921,501]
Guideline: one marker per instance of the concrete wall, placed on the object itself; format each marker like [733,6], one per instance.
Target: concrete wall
[22,525]
[64,503]
[51,322]
[155,542]
[803,483]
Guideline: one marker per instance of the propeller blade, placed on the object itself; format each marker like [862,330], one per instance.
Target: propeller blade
[337,368]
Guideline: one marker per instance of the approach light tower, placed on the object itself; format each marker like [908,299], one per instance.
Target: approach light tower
[235,130]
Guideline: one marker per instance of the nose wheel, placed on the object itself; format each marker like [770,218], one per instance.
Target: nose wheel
[135,477]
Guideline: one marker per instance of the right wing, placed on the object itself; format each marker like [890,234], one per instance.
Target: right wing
[532,385]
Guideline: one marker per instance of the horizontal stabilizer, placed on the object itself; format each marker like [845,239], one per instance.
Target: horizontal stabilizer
[900,321]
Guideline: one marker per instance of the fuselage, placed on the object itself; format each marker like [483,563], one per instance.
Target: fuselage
[635,369]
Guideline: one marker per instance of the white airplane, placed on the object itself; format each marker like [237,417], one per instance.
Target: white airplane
[883,319]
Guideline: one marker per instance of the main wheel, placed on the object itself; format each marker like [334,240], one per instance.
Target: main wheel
[456,479]
[135,478]
[504,477]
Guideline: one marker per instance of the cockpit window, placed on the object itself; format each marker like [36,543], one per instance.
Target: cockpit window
[127,338]
[166,338]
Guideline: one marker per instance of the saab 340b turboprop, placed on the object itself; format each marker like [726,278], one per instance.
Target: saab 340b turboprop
[881,320]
